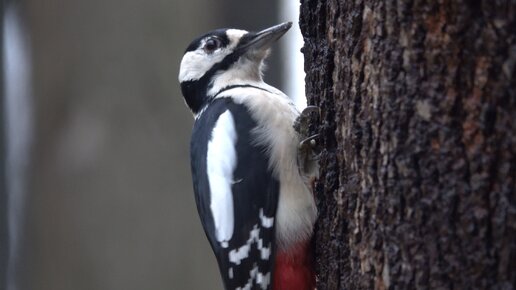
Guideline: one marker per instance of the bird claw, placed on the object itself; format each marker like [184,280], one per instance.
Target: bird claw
[310,139]
[302,123]
[308,148]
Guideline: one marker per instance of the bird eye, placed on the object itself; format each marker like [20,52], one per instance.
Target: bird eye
[211,45]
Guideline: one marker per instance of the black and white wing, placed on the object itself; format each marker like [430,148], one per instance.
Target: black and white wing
[236,194]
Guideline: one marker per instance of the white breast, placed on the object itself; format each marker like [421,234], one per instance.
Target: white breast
[275,115]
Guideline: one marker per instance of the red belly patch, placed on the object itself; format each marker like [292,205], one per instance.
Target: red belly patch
[294,269]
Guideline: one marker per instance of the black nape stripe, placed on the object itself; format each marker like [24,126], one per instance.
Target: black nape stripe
[240,86]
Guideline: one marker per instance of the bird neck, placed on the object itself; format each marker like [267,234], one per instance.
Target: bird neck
[242,72]
[232,71]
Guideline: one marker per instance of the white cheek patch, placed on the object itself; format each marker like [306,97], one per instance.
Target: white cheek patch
[221,162]
[196,63]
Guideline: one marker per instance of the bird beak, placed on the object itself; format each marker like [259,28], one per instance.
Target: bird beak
[260,42]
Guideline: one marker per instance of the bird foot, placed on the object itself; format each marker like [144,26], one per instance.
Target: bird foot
[308,149]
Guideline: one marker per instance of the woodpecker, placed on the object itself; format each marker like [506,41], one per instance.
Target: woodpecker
[253,200]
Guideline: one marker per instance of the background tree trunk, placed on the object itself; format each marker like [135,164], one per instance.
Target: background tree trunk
[3,186]
[418,99]
[109,202]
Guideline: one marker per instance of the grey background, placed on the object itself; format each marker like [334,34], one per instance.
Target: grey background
[109,200]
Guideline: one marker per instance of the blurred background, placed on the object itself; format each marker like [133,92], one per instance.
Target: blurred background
[96,190]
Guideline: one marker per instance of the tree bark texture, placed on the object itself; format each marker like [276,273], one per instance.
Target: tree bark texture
[418,112]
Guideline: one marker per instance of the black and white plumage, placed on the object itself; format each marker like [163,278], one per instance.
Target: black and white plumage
[250,196]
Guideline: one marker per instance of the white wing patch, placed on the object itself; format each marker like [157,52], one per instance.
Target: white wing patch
[221,162]
[262,279]
[237,255]
[267,222]
[265,252]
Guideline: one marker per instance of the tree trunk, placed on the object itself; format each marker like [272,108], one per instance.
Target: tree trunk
[418,102]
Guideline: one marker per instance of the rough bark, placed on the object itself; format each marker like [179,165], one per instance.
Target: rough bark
[418,100]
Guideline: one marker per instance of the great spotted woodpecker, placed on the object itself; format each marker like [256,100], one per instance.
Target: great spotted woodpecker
[253,200]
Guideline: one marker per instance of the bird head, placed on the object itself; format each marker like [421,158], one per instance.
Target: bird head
[222,58]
